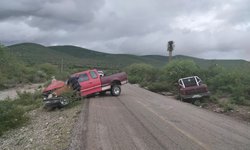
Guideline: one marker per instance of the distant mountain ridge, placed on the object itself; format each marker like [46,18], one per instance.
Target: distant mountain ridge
[72,55]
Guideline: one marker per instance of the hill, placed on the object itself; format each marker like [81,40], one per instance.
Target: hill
[106,59]
[32,53]
[205,63]
[81,57]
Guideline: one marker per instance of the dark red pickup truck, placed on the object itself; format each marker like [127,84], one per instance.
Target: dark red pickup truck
[85,83]
[192,87]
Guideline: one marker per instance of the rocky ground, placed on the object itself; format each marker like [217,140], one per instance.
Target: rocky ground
[50,130]
[241,113]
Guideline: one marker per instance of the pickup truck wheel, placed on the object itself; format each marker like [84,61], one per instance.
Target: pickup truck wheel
[64,101]
[116,90]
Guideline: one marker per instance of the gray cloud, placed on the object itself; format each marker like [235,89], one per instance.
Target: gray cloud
[200,28]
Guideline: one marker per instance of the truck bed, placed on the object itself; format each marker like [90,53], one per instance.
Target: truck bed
[107,80]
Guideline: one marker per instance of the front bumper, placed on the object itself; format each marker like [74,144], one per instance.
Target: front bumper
[198,95]
[52,102]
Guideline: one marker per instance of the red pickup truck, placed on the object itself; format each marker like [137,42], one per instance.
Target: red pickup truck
[192,87]
[85,83]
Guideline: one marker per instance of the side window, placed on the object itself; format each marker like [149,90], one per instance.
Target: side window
[83,77]
[93,74]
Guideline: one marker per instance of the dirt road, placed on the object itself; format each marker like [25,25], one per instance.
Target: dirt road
[139,119]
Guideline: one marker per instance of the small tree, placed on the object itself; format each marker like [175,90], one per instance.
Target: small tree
[178,69]
[170,49]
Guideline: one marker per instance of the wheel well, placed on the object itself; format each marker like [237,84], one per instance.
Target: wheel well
[116,82]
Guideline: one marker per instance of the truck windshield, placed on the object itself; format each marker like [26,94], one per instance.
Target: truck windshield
[189,82]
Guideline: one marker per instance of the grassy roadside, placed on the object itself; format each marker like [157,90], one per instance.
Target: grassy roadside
[13,113]
[50,130]
[230,89]
[25,124]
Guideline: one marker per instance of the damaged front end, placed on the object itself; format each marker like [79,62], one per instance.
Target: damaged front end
[53,95]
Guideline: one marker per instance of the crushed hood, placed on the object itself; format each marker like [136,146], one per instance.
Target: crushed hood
[54,85]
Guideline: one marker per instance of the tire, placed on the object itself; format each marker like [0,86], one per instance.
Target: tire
[64,101]
[181,99]
[115,90]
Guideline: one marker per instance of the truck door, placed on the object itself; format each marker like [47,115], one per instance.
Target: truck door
[90,83]
[95,82]
[83,81]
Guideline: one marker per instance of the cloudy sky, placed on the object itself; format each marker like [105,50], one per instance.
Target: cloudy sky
[218,29]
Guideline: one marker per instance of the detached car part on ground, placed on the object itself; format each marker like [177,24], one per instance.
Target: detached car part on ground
[83,84]
[192,87]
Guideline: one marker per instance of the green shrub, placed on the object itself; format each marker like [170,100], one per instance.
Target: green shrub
[228,106]
[234,84]
[48,68]
[158,87]
[141,73]
[240,100]
[11,116]
[177,69]
[28,101]
[214,98]
[13,112]
[197,102]
[14,71]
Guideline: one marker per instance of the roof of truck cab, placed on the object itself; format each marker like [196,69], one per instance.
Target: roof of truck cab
[188,77]
[82,72]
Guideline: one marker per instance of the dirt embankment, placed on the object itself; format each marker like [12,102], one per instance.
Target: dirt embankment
[46,130]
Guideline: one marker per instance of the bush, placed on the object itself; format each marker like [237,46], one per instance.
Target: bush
[177,69]
[13,112]
[47,70]
[14,71]
[234,84]
[11,116]
[227,106]
[28,101]
[141,73]
[11,69]
[158,87]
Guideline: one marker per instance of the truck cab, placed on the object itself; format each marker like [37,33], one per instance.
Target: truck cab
[89,82]
[192,87]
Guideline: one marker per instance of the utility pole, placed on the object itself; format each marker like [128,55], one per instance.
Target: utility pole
[62,65]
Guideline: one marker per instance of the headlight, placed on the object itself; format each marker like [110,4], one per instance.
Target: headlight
[50,96]
[54,94]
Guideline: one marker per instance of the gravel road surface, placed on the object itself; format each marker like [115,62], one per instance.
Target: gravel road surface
[140,119]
